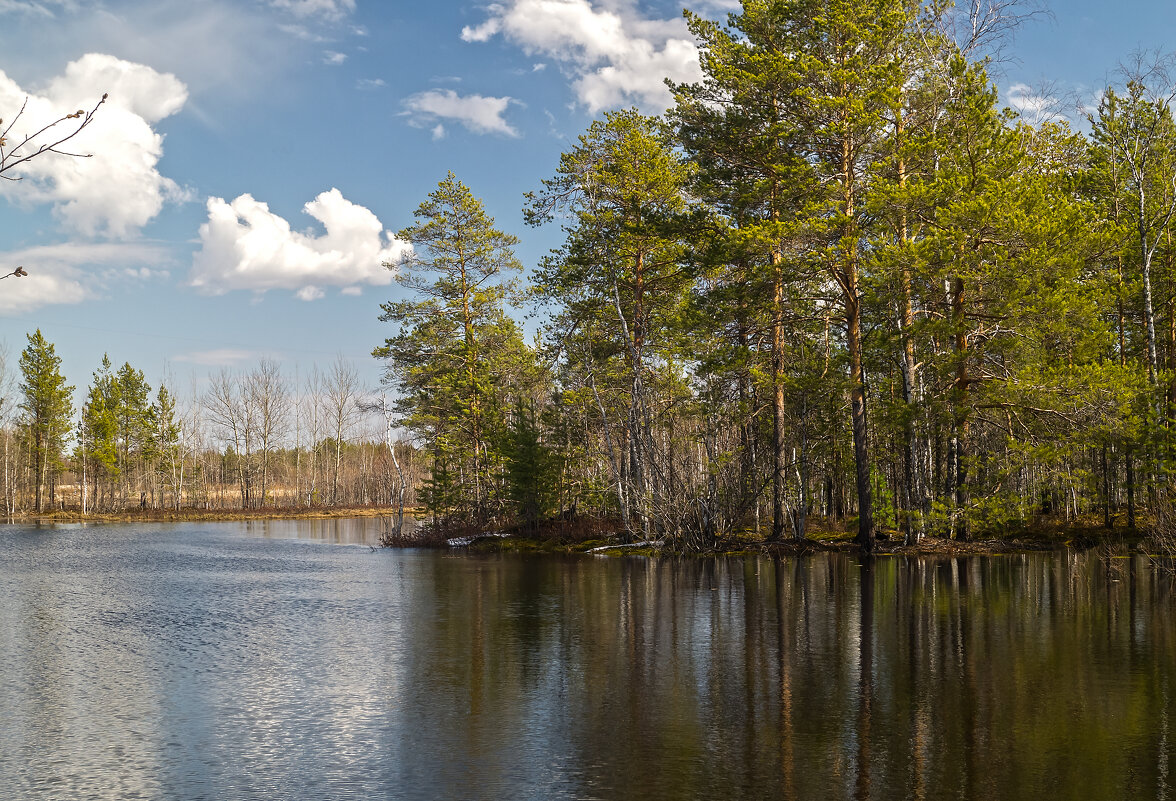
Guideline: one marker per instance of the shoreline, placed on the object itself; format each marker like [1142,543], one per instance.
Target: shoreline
[208,515]
[602,542]
[1078,539]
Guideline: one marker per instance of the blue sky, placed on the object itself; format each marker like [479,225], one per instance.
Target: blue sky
[185,244]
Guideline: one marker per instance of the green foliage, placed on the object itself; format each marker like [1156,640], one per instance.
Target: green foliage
[530,466]
[837,223]
[457,356]
[119,433]
[46,410]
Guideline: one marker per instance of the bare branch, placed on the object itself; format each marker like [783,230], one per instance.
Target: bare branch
[986,28]
[42,141]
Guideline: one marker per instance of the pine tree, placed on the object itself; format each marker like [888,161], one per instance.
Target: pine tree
[529,466]
[47,409]
[456,351]
[164,449]
[742,128]
[621,278]
[135,424]
[1134,137]
[98,437]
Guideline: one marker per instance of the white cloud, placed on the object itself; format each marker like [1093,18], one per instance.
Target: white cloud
[615,56]
[717,6]
[25,8]
[438,132]
[220,357]
[118,188]
[224,50]
[328,9]
[301,32]
[476,113]
[333,59]
[1035,105]
[488,29]
[41,289]
[246,246]
[56,275]
[370,83]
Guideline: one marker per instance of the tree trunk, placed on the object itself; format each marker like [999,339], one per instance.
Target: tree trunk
[857,400]
[779,448]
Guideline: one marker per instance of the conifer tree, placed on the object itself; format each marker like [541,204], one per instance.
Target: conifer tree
[134,425]
[47,409]
[621,275]
[99,431]
[165,453]
[1134,137]
[529,466]
[741,126]
[456,350]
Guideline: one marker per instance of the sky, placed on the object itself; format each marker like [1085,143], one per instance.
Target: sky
[254,159]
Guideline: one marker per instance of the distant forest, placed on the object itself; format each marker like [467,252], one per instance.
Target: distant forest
[251,439]
[836,282]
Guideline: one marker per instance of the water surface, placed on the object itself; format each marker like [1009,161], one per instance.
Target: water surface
[235,660]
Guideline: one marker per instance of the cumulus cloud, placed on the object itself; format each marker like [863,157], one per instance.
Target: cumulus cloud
[333,58]
[474,112]
[615,56]
[65,274]
[246,246]
[118,188]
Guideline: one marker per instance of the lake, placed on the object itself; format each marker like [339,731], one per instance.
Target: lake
[289,660]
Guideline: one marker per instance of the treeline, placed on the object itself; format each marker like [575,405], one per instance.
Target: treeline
[251,439]
[835,279]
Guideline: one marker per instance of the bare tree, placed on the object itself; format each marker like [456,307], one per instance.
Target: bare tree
[269,397]
[311,411]
[341,388]
[382,406]
[984,28]
[231,410]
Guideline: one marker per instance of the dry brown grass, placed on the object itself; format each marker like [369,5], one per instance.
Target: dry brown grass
[214,515]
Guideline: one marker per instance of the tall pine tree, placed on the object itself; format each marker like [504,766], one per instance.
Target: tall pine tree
[47,409]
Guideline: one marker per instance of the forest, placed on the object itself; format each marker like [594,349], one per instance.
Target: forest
[835,281]
[835,285]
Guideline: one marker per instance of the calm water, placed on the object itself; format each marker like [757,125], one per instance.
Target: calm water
[231,661]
